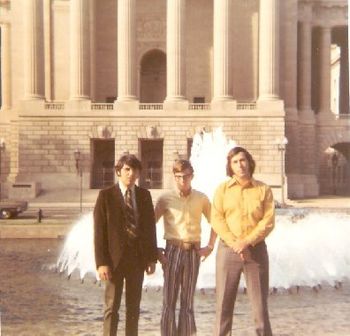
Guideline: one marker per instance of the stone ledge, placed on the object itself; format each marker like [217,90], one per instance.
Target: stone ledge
[34,230]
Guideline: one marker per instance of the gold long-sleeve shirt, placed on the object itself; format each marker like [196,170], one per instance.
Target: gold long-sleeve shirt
[243,212]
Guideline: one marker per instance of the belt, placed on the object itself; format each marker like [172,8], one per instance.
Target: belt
[183,244]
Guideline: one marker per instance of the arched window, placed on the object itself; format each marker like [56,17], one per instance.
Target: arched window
[153,77]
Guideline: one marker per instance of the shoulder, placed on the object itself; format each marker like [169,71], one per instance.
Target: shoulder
[223,185]
[109,190]
[200,195]
[264,189]
[166,196]
[260,184]
[142,191]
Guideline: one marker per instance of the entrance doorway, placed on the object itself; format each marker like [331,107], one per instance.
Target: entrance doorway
[102,163]
[152,163]
[153,77]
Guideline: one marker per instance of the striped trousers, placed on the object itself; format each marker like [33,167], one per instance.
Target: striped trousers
[181,271]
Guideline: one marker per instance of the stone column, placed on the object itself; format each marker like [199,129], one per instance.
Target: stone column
[33,50]
[304,70]
[268,50]
[127,51]
[325,72]
[47,49]
[223,74]
[344,78]
[176,60]
[79,50]
[5,67]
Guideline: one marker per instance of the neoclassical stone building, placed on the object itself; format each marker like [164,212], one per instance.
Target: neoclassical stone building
[144,76]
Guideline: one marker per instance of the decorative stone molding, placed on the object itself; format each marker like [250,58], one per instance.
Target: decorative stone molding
[150,132]
[197,130]
[151,29]
[102,132]
[305,12]
[330,14]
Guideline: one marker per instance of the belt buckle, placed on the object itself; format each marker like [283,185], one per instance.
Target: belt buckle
[186,245]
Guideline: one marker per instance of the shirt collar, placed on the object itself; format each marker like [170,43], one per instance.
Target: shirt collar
[123,188]
[234,181]
[180,194]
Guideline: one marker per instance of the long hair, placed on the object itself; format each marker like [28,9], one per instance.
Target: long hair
[234,151]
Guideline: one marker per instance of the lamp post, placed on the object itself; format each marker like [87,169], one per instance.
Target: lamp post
[334,171]
[281,145]
[2,148]
[79,169]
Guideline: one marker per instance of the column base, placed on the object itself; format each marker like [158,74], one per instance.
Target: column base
[223,104]
[324,117]
[302,186]
[129,105]
[306,116]
[78,104]
[176,104]
[270,105]
[32,105]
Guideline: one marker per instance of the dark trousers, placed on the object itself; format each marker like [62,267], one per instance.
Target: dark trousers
[229,267]
[131,270]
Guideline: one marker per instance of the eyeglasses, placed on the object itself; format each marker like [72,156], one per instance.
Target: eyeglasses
[184,177]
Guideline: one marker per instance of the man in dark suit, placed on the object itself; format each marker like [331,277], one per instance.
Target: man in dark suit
[125,244]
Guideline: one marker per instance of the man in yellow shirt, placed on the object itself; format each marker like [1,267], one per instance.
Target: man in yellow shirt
[243,214]
[182,210]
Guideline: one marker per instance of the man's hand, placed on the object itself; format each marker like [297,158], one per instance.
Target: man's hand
[151,267]
[161,256]
[239,247]
[204,252]
[104,273]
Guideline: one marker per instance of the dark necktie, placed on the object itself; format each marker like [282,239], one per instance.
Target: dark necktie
[131,226]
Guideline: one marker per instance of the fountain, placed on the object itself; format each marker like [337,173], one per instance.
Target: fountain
[306,248]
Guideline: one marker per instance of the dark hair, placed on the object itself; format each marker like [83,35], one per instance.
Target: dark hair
[181,165]
[234,151]
[129,159]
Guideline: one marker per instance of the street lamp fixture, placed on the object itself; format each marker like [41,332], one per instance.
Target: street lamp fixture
[335,160]
[281,146]
[79,169]
[2,148]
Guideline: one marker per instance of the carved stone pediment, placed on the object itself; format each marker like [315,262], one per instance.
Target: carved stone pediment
[102,132]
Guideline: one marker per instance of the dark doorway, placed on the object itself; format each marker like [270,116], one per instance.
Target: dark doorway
[189,147]
[153,77]
[102,165]
[152,163]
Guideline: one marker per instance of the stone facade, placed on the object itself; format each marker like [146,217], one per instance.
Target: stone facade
[145,75]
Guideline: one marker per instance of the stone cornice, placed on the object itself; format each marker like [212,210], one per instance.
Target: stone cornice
[324,13]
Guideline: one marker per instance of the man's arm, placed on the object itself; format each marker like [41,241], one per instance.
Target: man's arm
[206,251]
[218,220]
[159,210]
[100,239]
[267,223]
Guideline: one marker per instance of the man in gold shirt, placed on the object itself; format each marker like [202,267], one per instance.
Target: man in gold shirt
[243,214]
[182,210]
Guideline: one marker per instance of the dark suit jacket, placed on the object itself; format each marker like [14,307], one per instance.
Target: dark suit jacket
[109,220]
